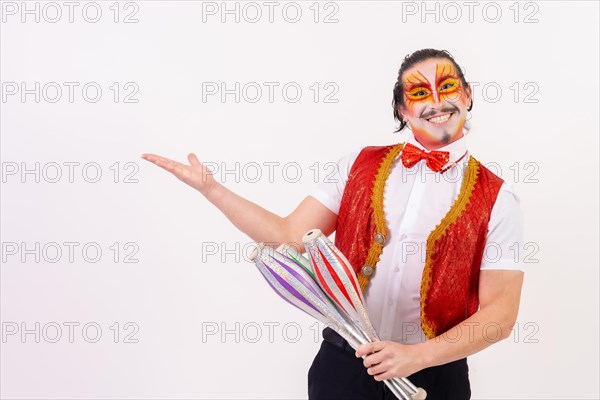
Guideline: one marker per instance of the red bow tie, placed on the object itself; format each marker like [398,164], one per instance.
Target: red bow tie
[435,160]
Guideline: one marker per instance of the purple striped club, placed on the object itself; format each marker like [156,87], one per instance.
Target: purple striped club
[296,286]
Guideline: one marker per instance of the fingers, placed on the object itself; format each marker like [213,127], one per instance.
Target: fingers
[165,163]
[378,369]
[156,159]
[364,349]
[369,348]
[382,377]
[193,159]
[373,360]
[195,175]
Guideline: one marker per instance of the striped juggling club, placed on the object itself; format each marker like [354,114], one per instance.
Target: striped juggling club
[288,277]
[291,276]
[337,278]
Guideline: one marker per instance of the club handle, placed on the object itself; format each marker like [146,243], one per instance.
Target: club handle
[397,389]
[414,392]
[420,395]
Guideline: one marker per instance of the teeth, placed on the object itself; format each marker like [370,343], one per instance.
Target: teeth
[440,120]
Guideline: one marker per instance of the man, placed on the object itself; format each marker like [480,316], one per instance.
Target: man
[414,219]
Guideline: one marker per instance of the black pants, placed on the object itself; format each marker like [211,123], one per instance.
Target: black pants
[336,373]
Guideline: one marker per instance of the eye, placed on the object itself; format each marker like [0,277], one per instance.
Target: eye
[448,85]
[418,93]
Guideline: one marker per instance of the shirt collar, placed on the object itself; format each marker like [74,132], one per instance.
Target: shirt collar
[456,149]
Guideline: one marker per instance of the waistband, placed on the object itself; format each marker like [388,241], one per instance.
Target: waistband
[332,337]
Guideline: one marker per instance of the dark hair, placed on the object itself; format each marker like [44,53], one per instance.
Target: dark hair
[409,61]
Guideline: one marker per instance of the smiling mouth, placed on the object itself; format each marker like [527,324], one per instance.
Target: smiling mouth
[440,119]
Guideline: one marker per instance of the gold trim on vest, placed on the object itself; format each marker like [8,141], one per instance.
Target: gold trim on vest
[451,216]
[376,247]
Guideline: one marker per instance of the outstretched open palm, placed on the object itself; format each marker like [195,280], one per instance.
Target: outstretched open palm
[197,175]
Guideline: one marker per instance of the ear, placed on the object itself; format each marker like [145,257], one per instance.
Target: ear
[469,93]
[401,111]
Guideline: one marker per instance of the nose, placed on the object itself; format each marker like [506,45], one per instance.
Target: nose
[436,97]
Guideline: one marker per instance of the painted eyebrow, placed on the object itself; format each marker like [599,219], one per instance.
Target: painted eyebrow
[418,85]
[447,71]
[443,78]
[420,82]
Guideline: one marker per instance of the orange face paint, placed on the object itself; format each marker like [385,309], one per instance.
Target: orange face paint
[433,89]
[447,85]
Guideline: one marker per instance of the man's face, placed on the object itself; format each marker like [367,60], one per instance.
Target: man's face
[435,102]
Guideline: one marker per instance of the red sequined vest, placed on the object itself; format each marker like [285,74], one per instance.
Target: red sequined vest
[450,280]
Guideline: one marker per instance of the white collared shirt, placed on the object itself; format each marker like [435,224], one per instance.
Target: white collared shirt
[415,200]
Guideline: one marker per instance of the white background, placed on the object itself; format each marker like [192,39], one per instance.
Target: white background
[191,275]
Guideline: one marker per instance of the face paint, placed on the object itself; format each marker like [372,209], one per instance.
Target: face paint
[435,102]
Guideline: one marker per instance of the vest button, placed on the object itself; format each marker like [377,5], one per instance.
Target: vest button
[379,237]
[367,270]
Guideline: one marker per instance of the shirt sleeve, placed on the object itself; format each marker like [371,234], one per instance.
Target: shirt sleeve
[504,248]
[330,189]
